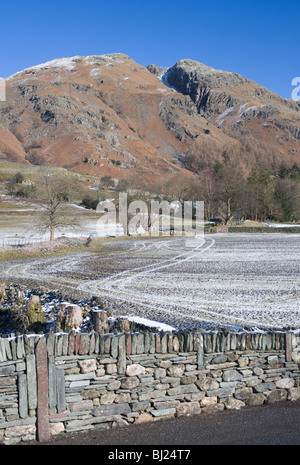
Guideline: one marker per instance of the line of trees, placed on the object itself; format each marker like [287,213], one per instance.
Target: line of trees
[267,190]
[247,181]
[258,196]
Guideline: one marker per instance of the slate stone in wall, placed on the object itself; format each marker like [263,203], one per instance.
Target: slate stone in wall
[164,412]
[140,344]
[97,343]
[71,345]
[50,344]
[269,341]
[7,370]
[200,351]
[276,396]
[128,342]
[23,399]
[232,375]
[254,341]
[188,342]
[181,342]
[76,344]
[233,341]
[8,349]
[3,357]
[121,364]
[281,340]
[65,344]
[133,344]
[28,343]
[195,338]
[175,344]
[244,393]
[151,343]
[164,343]
[147,342]
[107,343]
[294,393]
[2,350]
[169,343]
[130,382]
[84,344]
[288,347]
[111,409]
[264,387]
[187,409]
[52,382]
[20,347]
[139,406]
[214,342]
[92,344]
[101,343]
[114,348]
[13,346]
[60,382]
[31,381]
[207,343]
[58,344]
[157,344]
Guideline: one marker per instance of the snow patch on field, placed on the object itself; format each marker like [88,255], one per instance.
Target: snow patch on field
[151,323]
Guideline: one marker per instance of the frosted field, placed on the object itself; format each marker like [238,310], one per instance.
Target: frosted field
[236,281]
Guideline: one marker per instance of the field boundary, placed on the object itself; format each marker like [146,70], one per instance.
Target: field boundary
[264,229]
[64,382]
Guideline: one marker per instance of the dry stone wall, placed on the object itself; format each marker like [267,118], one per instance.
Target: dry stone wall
[56,383]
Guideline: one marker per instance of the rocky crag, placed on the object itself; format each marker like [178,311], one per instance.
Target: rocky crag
[235,104]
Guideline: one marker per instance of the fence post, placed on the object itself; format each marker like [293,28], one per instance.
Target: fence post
[43,426]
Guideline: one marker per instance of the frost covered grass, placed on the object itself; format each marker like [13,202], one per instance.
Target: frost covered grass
[241,281]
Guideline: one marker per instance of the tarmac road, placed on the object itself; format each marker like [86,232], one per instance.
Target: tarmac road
[274,424]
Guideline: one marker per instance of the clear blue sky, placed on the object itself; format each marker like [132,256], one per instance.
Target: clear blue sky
[258,39]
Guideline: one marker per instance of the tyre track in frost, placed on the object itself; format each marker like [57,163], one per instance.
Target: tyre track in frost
[106,285]
[141,270]
[117,287]
[113,287]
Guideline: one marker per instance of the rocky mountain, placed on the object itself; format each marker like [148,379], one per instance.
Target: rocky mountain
[107,115]
[236,105]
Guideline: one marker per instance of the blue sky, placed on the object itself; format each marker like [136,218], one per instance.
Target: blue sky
[258,39]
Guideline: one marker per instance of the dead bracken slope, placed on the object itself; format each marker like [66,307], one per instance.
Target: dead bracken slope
[107,115]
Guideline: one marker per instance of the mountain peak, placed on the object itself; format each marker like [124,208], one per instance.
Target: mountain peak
[69,63]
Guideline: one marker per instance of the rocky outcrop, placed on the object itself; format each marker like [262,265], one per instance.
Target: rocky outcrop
[235,104]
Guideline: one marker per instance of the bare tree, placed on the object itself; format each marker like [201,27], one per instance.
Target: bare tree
[55,193]
[229,185]
[205,187]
